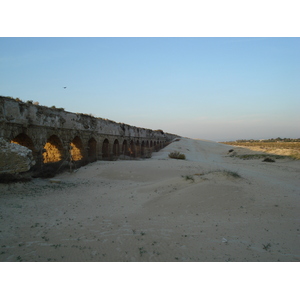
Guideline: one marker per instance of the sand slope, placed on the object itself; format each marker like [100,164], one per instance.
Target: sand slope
[159,209]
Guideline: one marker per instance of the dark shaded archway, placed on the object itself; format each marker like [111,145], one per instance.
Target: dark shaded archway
[92,150]
[125,150]
[132,149]
[23,140]
[143,149]
[116,148]
[53,150]
[158,146]
[137,149]
[105,149]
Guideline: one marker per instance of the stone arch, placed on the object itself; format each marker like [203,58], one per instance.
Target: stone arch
[105,149]
[92,149]
[116,148]
[53,150]
[137,149]
[142,148]
[125,148]
[23,140]
[157,145]
[76,149]
[132,149]
[151,144]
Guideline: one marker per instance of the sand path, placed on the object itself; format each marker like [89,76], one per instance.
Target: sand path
[158,209]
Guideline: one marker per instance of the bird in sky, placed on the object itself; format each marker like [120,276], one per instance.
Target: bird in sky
[65,87]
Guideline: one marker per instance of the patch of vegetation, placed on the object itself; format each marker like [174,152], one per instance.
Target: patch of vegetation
[232,174]
[268,159]
[176,155]
[45,238]
[227,173]
[188,177]
[142,251]
[35,225]
[266,247]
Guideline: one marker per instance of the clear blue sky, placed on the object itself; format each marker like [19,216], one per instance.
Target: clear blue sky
[208,88]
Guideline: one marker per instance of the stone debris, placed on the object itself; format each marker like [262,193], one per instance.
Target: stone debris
[14,158]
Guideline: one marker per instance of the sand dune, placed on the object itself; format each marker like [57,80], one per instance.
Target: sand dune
[209,207]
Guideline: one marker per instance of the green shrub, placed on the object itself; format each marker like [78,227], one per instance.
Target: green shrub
[268,159]
[232,174]
[188,177]
[176,155]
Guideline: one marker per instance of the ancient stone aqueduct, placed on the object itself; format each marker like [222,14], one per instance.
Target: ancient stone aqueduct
[56,136]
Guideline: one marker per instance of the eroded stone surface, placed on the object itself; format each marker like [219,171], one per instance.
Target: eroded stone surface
[56,136]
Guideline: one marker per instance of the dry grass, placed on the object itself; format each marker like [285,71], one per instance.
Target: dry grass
[177,155]
[288,149]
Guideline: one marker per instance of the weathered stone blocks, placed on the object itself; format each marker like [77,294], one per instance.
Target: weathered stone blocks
[14,158]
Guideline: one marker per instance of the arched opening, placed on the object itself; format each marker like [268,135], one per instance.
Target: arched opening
[116,148]
[76,149]
[154,146]
[105,149]
[157,146]
[137,149]
[125,148]
[92,150]
[142,149]
[151,144]
[53,150]
[147,150]
[23,140]
[132,149]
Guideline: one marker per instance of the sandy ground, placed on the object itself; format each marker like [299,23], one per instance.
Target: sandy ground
[157,209]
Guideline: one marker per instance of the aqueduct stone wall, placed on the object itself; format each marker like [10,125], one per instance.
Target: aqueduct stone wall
[57,136]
